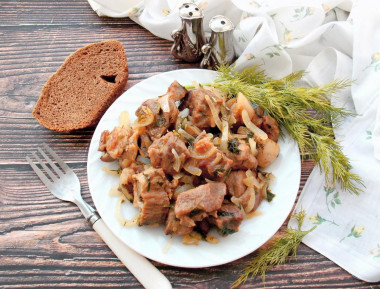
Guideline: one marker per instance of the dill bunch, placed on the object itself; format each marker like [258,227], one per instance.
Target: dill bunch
[282,249]
[305,112]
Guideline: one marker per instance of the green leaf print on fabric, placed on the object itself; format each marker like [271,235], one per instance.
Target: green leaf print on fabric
[356,232]
[369,134]
[302,12]
[317,220]
[331,199]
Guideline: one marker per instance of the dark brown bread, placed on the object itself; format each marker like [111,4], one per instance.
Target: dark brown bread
[81,90]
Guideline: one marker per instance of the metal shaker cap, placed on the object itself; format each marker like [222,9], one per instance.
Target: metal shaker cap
[190,11]
[220,23]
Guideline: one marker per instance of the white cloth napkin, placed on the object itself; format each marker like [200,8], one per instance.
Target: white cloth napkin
[328,39]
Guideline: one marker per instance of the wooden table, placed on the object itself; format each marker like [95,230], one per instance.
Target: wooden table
[45,242]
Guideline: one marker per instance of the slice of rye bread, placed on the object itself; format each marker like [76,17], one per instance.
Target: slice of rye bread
[81,90]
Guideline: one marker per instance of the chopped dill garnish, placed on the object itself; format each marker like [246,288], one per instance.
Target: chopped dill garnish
[233,146]
[218,172]
[305,112]
[225,214]
[281,249]
[225,231]
[270,195]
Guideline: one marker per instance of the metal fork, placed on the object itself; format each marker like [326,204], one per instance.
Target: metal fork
[63,183]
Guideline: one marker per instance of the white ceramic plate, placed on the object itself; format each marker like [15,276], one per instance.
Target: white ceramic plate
[150,241]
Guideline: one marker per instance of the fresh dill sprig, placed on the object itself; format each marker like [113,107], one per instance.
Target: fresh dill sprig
[282,249]
[305,112]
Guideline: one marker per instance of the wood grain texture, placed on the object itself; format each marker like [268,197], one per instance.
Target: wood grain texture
[45,242]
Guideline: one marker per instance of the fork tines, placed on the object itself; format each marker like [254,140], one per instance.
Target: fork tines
[53,171]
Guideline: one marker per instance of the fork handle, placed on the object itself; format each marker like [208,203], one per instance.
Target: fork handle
[144,271]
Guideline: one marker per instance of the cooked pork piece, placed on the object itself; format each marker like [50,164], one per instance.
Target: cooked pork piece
[176,91]
[145,143]
[268,151]
[270,126]
[150,196]
[199,109]
[161,153]
[237,108]
[162,120]
[174,227]
[257,119]
[235,185]
[215,165]
[120,143]
[207,198]
[237,189]
[126,179]
[229,218]
[164,110]
[241,155]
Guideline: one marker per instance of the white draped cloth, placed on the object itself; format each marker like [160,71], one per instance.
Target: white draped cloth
[328,39]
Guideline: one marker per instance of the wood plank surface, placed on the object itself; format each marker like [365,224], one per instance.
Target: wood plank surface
[45,242]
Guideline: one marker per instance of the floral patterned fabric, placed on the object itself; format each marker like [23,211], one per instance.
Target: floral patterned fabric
[328,39]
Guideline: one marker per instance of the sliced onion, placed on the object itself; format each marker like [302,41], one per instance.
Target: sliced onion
[178,176]
[177,162]
[186,179]
[215,114]
[216,141]
[191,239]
[114,191]
[211,239]
[231,120]
[254,214]
[217,159]
[243,130]
[196,85]
[235,201]
[251,182]
[183,188]
[164,102]
[252,200]
[193,170]
[145,118]
[111,172]
[168,244]
[124,119]
[216,91]
[185,134]
[252,144]
[144,160]
[231,102]
[224,139]
[249,173]
[252,127]
[239,136]
[121,220]
[193,128]
[208,154]
[184,113]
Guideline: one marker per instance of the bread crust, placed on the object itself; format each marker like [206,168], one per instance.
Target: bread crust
[87,83]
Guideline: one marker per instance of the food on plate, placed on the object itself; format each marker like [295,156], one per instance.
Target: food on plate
[193,159]
[81,90]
